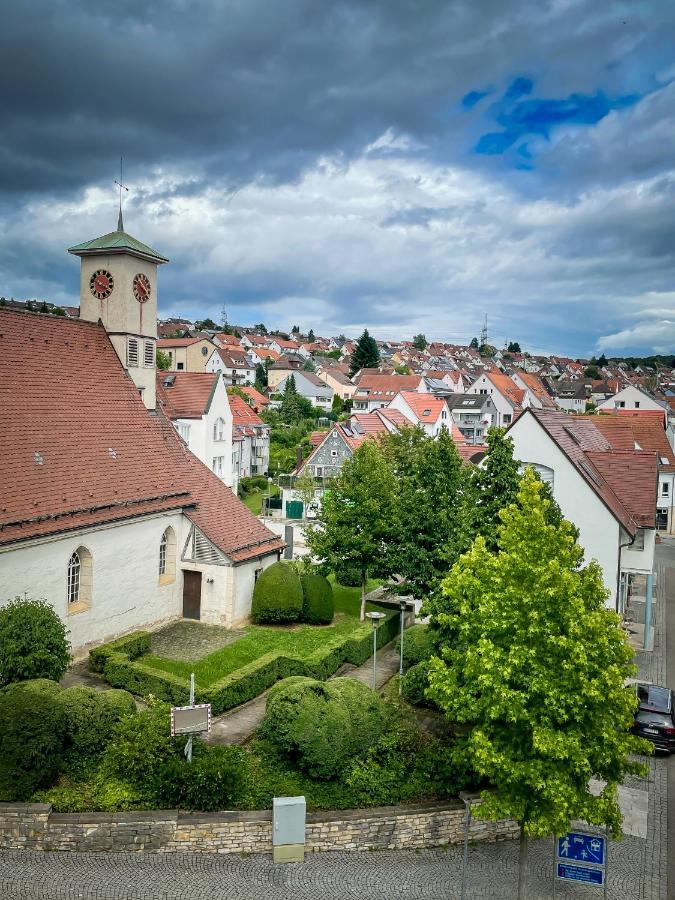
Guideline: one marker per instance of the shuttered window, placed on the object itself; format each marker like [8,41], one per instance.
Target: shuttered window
[149,355]
[132,353]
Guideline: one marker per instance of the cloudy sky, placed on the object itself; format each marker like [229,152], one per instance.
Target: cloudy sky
[405,165]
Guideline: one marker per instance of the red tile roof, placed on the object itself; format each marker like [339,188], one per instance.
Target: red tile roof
[536,387]
[592,455]
[385,387]
[260,401]
[186,395]
[178,342]
[507,388]
[426,407]
[80,449]
[242,413]
[647,432]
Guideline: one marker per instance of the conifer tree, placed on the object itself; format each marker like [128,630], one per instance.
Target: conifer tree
[365,355]
[492,487]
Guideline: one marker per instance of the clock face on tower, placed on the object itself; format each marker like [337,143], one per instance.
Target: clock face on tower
[101,284]
[141,288]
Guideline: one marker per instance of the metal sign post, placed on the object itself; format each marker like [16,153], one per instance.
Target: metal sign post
[375,617]
[190,720]
[581,857]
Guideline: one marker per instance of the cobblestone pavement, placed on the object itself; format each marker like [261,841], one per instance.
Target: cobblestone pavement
[186,641]
[405,875]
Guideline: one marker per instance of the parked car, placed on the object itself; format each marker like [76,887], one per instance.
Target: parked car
[655,716]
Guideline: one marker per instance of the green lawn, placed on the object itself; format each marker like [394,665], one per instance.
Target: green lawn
[254,501]
[257,640]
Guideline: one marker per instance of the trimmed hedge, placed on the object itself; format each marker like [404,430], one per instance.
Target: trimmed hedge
[132,646]
[91,717]
[247,682]
[318,606]
[417,645]
[33,642]
[415,683]
[277,596]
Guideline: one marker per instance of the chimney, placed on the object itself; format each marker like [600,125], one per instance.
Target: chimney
[298,456]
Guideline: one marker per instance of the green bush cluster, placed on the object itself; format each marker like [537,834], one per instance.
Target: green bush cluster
[417,645]
[252,485]
[320,725]
[131,646]
[44,730]
[318,606]
[348,575]
[32,738]
[277,596]
[33,642]
[415,683]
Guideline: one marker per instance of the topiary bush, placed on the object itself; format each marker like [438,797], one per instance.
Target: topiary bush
[417,645]
[91,718]
[318,607]
[414,685]
[320,725]
[277,596]
[32,737]
[33,642]
[214,779]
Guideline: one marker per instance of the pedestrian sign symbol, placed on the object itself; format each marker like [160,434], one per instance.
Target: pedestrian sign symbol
[583,848]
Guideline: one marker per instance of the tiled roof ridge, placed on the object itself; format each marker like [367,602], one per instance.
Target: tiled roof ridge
[62,320]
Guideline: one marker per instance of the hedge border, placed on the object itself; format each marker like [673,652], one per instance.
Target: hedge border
[118,662]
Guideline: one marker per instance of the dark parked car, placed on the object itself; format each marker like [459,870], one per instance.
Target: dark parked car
[655,716]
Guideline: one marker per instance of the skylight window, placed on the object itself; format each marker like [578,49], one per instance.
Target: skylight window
[664,460]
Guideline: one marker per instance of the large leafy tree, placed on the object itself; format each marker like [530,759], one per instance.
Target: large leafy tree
[493,485]
[355,523]
[534,665]
[366,354]
[427,510]
[420,342]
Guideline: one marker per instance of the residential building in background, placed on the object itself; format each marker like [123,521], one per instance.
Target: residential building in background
[187,354]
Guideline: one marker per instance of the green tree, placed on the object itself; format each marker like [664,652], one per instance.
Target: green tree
[260,377]
[310,336]
[427,508]
[338,405]
[474,344]
[592,372]
[355,522]
[308,365]
[402,370]
[534,665]
[365,355]
[603,360]
[492,487]
[205,325]
[163,360]
[59,311]
[514,347]
[420,342]
[295,329]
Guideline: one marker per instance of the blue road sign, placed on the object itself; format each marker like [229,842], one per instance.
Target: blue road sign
[584,848]
[586,874]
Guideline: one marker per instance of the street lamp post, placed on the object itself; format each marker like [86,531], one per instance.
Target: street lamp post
[376,618]
[269,493]
[403,605]
[466,797]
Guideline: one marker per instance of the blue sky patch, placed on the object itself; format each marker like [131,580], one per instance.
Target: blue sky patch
[473,98]
[538,116]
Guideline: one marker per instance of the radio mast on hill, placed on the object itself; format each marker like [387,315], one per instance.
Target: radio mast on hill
[484,333]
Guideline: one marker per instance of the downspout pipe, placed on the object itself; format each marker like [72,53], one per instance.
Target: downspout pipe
[618,573]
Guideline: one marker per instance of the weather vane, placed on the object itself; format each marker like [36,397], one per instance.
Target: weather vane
[122,187]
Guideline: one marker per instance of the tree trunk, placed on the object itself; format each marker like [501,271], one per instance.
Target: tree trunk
[522,865]
[364,578]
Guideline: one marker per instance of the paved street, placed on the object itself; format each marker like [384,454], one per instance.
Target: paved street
[637,864]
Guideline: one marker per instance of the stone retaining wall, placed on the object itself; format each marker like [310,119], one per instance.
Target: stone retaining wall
[34,826]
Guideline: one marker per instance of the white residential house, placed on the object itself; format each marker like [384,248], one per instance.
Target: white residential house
[507,397]
[251,440]
[570,396]
[234,365]
[610,495]
[473,414]
[198,405]
[631,397]
[430,413]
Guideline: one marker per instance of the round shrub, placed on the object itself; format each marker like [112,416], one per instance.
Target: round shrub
[33,642]
[91,718]
[318,607]
[417,645]
[32,735]
[277,596]
[320,725]
[213,780]
[414,684]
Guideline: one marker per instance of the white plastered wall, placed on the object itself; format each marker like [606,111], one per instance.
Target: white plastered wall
[598,529]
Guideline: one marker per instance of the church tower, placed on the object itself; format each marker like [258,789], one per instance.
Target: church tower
[118,284]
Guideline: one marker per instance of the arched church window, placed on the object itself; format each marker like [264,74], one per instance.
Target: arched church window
[167,556]
[79,580]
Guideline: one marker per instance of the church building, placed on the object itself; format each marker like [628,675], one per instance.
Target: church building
[104,512]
